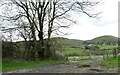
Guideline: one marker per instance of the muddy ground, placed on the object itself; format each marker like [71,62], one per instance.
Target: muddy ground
[84,66]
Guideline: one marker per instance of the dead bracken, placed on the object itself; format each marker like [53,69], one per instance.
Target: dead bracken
[84,66]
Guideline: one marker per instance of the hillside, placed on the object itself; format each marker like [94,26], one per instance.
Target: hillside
[107,40]
[73,43]
[68,43]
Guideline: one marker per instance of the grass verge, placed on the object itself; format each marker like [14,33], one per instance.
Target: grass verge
[8,65]
[110,62]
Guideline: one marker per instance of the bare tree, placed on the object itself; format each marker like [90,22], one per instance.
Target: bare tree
[59,10]
[37,14]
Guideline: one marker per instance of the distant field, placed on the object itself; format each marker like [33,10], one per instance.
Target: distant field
[107,46]
[80,51]
[74,51]
[78,58]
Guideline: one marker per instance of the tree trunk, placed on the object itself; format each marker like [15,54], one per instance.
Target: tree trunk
[48,52]
[41,48]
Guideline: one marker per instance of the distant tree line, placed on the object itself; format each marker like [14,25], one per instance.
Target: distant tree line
[101,42]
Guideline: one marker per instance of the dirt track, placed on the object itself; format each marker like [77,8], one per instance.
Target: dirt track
[69,67]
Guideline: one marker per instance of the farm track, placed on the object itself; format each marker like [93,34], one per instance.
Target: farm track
[69,67]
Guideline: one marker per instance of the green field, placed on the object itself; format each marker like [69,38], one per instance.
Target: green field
[107,46]
[110,62]
[80,51]
[73,51]
[78,58]
[8,65]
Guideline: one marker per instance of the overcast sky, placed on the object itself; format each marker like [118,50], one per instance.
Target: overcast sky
[88,28]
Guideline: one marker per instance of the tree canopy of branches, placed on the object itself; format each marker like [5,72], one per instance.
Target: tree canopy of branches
[34,18]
